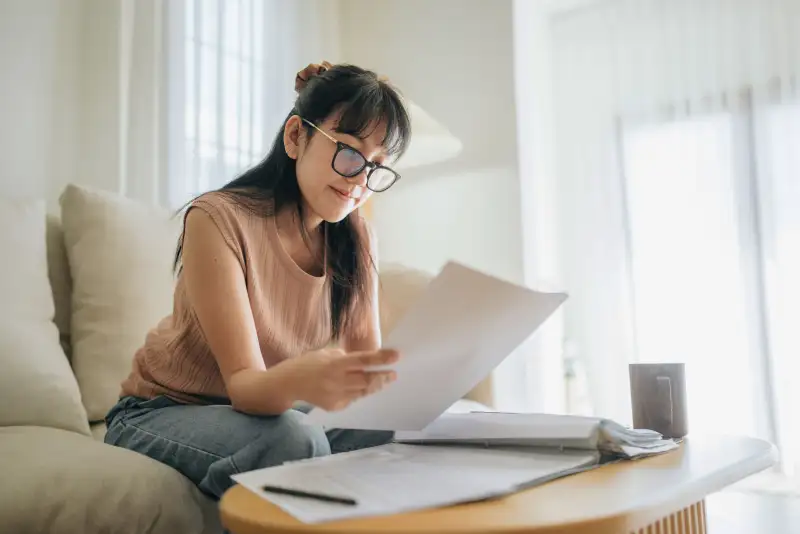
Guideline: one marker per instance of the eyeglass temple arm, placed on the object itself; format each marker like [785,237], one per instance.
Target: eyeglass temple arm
[320,130]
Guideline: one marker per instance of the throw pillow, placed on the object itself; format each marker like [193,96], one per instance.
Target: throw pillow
[36,381]
[60,279]
[400,287]
[120,254]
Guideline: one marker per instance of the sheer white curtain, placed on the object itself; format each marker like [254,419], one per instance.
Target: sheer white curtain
[178,96]
[120,102]
[231,81]
[778,141]
[677,134]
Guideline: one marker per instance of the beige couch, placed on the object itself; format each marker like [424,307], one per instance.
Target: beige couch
[78,293]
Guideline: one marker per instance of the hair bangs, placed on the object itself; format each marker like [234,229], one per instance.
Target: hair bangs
[371,107]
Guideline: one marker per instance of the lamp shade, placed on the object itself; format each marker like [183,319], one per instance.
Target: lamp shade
[430,142]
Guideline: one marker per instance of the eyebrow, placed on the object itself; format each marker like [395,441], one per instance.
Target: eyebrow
[382,153]
[359,141]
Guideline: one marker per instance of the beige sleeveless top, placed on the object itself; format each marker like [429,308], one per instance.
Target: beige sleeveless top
[291,309]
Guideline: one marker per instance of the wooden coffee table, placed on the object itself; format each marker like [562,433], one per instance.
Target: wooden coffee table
[658,495]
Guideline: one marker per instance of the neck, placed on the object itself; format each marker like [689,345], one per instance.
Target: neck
[311,221]
[288,219]
[308,252]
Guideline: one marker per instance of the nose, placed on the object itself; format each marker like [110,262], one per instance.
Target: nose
[360,179]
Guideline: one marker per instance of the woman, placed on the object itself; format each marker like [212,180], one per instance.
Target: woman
[275,269]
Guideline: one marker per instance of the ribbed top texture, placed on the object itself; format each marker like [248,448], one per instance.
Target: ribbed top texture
[291,309]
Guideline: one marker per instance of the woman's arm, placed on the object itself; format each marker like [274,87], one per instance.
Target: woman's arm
[216,288]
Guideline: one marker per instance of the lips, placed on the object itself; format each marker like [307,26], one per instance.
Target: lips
[344,194]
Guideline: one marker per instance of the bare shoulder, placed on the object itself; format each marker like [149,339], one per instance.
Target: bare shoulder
[199,224]
[217,201]
[238,217]
[201,232]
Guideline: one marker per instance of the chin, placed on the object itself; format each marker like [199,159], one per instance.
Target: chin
[338,217]
[332,214]
[330,208]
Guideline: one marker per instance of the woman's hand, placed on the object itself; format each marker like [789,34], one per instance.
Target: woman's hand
[332,379]
[307,73]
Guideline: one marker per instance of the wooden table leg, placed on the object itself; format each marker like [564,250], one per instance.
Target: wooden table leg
[690,520]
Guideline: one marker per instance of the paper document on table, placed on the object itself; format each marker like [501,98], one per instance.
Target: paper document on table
[397,478]
[540,430]
[456,333]
[524,429]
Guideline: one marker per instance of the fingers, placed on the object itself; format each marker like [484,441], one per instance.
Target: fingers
[358,384]
[359,360]
[378,383]
[364,381]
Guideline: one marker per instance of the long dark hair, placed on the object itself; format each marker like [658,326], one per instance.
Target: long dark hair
[362,101]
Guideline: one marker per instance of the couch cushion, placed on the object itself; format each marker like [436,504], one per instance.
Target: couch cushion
[99,431]
[120,254]
[36,382]
[60,279]
[68,483]
[400,287]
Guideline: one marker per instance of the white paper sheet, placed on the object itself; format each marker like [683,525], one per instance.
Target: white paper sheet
[540,430]
[397,478]
[490,426]
[461,328]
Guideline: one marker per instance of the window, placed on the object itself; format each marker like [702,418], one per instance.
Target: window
[677,161]
[714,252]
[778,139]
[221,115]
[686,269]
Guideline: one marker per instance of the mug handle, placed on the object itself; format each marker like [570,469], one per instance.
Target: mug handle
[664,393]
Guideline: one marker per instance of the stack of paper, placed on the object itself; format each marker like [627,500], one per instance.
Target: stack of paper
[460,457]
[398,478]
[464,325]
[540,430]
[630,442]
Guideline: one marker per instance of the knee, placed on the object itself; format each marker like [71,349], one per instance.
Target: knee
[292,439]
[271,441]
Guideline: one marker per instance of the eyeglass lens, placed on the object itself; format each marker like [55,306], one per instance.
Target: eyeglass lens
[349,163]
[380,179]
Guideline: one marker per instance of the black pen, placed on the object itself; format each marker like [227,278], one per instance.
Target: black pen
[308,495]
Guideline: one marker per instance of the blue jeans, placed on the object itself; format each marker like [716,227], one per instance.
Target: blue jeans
[208,444]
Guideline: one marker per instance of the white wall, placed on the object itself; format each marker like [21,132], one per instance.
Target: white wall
[66,117]
[60,104]
[61,115]
[543,385]
[39,49]
[455,59]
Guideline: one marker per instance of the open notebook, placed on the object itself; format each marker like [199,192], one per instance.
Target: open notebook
[459,458]
[396,478]
[463,326]
[491,429]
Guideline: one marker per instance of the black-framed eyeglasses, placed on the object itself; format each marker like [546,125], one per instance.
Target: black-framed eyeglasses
[349,162]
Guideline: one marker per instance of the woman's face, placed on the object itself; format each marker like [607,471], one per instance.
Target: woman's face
[329,195]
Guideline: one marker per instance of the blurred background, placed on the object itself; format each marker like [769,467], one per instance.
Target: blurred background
[642,155]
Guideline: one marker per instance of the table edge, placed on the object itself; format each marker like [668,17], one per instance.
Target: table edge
[622,521]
